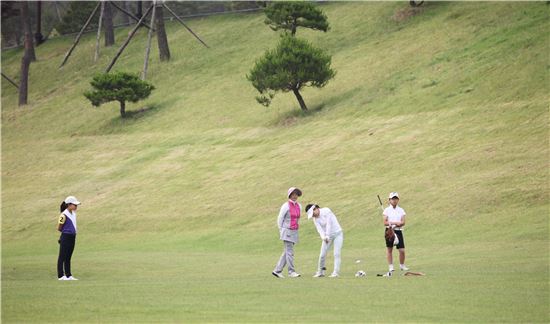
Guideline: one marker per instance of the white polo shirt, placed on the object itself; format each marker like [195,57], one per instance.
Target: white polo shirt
[395,214]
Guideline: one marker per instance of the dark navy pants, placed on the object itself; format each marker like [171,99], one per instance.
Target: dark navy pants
[66,248]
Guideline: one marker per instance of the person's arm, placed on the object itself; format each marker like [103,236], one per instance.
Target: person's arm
[319,229]
[402,223]
[61,222]
[282,213]
[330,216]
[386,221]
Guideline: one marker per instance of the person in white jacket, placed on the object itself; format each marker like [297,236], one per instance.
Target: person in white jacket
[331,235]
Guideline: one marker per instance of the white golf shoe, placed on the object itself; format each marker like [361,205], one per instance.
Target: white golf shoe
[334,275]
[277,274]
[62,278]
[294,275]
[71,278]
[319,275]
[404,268]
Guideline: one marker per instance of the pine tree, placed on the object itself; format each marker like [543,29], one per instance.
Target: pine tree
[293,14]
[294,64]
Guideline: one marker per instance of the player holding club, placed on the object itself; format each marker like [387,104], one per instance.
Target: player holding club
[331,234]
[394,218]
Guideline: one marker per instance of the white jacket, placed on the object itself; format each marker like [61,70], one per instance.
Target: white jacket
[327,225]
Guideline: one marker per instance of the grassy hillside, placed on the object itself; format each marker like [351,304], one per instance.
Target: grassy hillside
[449,107]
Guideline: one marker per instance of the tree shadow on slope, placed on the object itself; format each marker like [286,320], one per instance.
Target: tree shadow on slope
[289,118]
[117,125]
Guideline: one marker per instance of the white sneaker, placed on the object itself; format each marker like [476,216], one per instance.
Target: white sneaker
[62,278]
[404,268]
[71,278]
[334,275]
[294,275]
[318,275]
[277,274]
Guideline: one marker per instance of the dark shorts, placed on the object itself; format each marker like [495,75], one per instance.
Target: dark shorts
[399,234]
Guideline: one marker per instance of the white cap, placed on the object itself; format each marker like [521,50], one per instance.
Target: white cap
[310,211]
[72,200]
[393,194]
[291,190]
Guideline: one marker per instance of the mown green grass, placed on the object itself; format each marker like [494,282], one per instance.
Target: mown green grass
[448,107]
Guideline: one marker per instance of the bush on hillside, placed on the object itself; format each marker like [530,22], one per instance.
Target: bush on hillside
[119,86]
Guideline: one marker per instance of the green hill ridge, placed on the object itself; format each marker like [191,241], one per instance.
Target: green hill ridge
[448,106]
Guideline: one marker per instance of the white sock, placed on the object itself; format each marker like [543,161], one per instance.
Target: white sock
[391,267]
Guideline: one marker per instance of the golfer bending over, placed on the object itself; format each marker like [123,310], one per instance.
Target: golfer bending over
[394,216]
[287,221]
[331,233]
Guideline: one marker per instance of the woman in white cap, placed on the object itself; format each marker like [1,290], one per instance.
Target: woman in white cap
[288,222]
[394,217]
[67,227]
[331,234]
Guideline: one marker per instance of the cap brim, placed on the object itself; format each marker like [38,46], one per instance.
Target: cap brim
[310,212]
[297,191]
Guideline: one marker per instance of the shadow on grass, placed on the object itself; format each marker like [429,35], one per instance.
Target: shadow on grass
[290,118]
[117,124]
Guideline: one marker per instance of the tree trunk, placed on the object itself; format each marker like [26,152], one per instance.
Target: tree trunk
[27,32]
[99,25]
[300,99]
[125,18]
[148,49]
[28,54]
[162,40]
[24,82]
[38,37]
[293,28]
[139,12]
[122,109]
[132,33]
[108,24]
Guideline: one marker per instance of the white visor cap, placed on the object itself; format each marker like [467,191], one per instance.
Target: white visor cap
[310,212]
[72,200]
